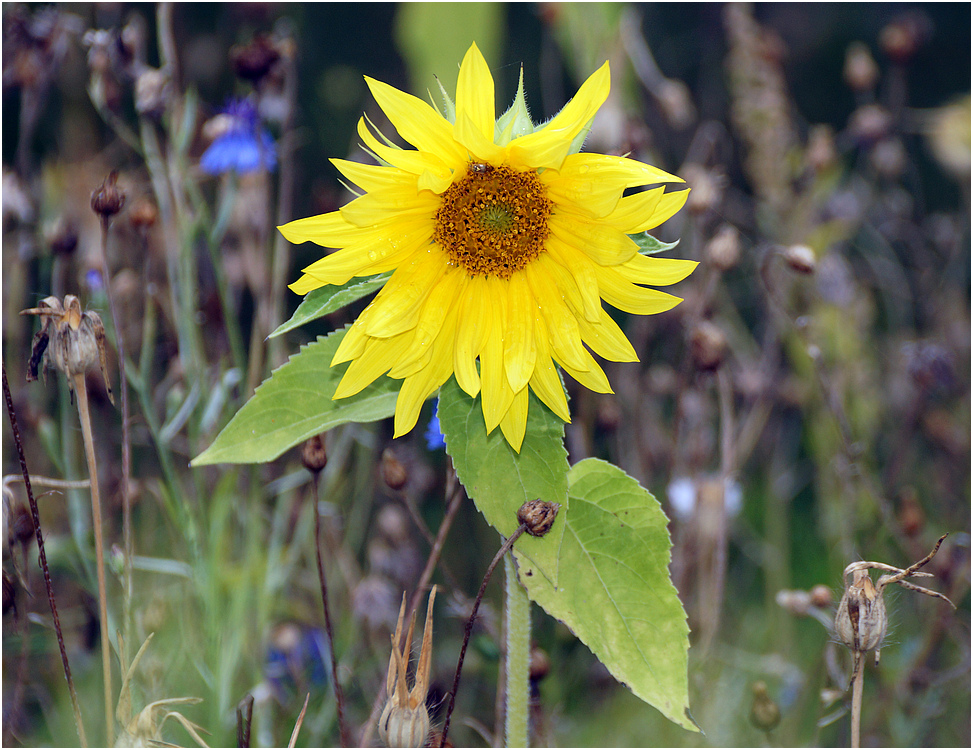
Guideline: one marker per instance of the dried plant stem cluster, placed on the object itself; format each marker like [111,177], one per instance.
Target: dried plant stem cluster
[861,621]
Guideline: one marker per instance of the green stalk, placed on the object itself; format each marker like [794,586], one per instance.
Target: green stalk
[517,656]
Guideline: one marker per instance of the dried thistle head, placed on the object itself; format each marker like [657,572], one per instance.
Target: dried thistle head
[861,621]
[405,720]
[70,340]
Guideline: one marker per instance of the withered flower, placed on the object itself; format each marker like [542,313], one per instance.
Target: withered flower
[405,720]
[70,340]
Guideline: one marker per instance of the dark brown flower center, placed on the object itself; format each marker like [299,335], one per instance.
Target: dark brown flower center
[494,220]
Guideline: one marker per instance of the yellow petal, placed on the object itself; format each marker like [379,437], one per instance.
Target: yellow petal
[353,343]
[545,381]
[480,147]
[561,323]
[549,146]
[623,294]
[635,213]
[378,357]
[472,330]
[593,183]
[416,121]
[592,377]
[415,162]
[568,287]
[327,230]
[667,208]
[417,388]
[514,422]
[494,388]
[604,244]
[607,340]
[475,95]
[396,308]
[582,270]
[373,177]
[402,205]
[651,269]
[445,295]
[519,353]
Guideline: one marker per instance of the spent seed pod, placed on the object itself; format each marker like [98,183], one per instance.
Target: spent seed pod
[538,516]
[861,620]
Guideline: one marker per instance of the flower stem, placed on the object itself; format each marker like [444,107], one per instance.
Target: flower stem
[857,686]
[517,657]
[507,545]
[89,449]
[42,554]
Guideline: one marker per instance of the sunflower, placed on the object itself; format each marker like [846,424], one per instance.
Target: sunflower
[503,239]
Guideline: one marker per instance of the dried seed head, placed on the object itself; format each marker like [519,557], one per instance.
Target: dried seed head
[538,516]
[708,346]
[393,471]
[800,258]
[405,720]
[70,340]
[723,251]
[313,454]
[255,60]
[861,72]
[861,620]
[143,213]
[764,712]
[108,200]
[821,596]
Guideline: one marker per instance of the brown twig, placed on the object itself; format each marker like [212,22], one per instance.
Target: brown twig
[42,555]
[244,720]
[507,546]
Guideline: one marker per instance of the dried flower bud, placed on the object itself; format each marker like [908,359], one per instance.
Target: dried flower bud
[821,152]
[870,123]
[797,602]
[821,596]
[313,454]
[861,72]
[69,340]
[723,251]
[538,516]
[800,258]
[540,663]
[394,471]
[253,61]
[152,92]
[902,38]
[676,103]
[911,518]
[63,237]
[708,346]
[764,713]
[707,188]
[405,720]
[108,200]
[143,213]
[861,620]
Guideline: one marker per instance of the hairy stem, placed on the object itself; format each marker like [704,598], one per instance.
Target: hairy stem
[89,449]
[517,657]
[42,554]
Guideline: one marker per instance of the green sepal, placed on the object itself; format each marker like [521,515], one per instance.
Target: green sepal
[295,403]
[515,122]
[320,302]
[649,245]
[449,109]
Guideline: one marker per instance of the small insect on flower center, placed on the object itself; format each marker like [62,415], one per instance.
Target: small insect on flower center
[493,221]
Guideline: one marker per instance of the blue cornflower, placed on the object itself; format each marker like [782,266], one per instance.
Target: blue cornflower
[434,434]
[242,146]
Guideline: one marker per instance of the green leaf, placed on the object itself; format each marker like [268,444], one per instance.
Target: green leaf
[329,298]
[619,599]
[649,245]
[294,404]
[498,479]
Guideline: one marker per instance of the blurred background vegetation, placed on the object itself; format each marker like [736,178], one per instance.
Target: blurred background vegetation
[808,405]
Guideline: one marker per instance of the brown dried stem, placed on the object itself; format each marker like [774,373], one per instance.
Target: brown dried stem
[89,449]
[42,555]
[507,546]
[346,740]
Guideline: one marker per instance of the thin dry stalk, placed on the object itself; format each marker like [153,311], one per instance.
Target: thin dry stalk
[244,720]
[856,701]
[42,554]
[89,449]
[299,722]
[339,697]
